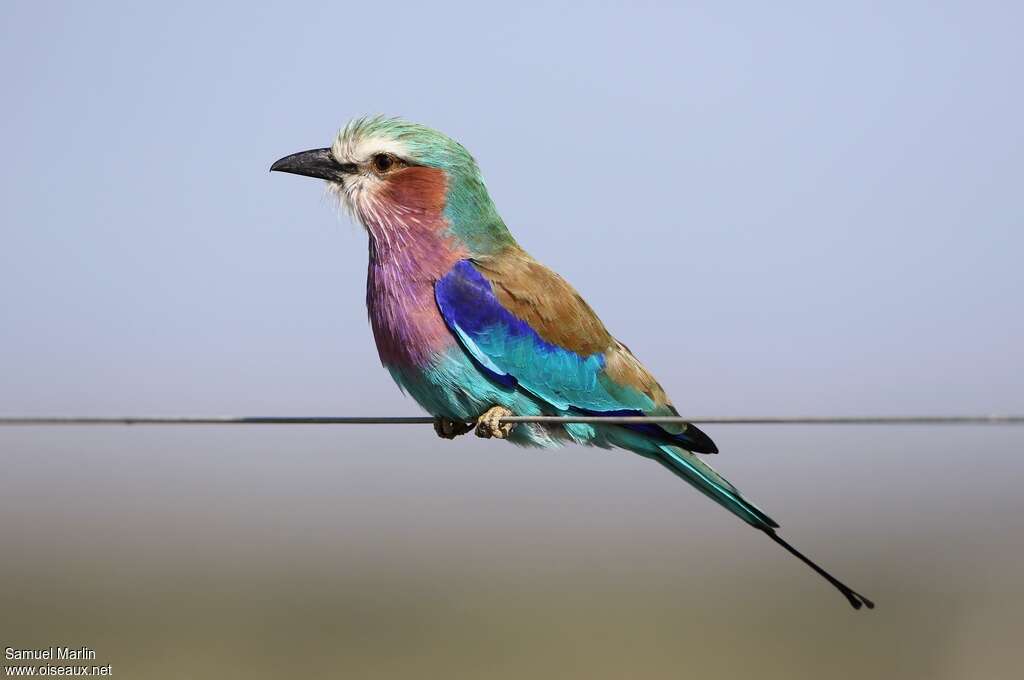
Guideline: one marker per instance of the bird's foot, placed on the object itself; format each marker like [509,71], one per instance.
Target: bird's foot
[446,428]
[489,424]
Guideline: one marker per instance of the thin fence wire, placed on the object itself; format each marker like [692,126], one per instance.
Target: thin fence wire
[990,419]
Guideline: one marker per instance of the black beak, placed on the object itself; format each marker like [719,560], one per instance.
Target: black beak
[317,163]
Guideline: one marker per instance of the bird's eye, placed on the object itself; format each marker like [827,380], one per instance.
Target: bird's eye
[383,162]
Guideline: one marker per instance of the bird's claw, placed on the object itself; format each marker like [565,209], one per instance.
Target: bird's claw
[489,424]
[446,428]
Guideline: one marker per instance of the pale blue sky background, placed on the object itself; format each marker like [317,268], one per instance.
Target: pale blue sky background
[800,209]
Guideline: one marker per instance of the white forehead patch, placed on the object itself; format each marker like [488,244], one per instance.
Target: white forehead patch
[359,149]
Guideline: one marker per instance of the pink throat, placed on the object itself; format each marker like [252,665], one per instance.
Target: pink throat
[408,254]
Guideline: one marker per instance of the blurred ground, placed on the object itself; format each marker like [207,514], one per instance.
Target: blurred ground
[223,553]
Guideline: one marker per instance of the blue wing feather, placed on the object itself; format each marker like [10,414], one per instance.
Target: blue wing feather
[511,353]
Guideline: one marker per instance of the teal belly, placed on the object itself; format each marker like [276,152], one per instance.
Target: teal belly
[451,385]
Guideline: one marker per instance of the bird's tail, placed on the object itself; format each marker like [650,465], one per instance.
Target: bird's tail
[855,599]
[696,472]
[693,470]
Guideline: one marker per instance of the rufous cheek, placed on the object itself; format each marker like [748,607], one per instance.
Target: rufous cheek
[419,189]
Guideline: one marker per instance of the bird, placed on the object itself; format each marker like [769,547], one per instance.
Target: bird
[474,329]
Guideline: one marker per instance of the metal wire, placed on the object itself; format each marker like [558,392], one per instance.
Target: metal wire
[991,419]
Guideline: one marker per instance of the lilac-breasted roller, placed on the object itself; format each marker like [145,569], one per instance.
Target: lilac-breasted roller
[475,329]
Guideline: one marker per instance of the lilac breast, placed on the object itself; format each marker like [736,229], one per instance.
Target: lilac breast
[407,326]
